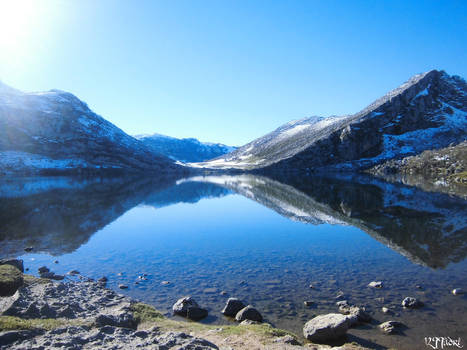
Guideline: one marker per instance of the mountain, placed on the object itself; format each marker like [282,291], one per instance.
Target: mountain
[429,111]
[184,150]
[54,131]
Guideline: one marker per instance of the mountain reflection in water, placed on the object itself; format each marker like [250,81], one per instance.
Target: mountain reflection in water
[58,215]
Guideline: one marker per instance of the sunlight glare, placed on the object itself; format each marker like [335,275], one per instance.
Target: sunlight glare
[17,19]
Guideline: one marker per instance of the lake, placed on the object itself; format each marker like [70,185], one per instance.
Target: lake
[259,239]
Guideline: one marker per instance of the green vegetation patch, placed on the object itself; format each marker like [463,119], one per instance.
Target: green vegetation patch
[10,280]
[145,313]
[8,323]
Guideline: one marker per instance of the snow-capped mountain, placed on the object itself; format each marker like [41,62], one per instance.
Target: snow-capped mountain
[54,131]
[184,150]
[429,111]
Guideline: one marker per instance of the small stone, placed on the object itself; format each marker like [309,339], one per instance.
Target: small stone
[210,290]
[248,322]
[340,295]
[102,280]
[122,286]
[390,327]
[286,339]
[375,284]
[249,313]
[28,249]
[411,303]
[43,269]
[232,307]
[458,291]
[73,272]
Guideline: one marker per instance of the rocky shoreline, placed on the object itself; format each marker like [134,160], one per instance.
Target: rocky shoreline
[75,312]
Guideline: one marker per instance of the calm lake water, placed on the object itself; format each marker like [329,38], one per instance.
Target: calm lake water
[261,240]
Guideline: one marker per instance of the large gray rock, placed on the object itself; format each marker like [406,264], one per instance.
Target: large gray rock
[248,313]
[232,307]
[324,328]
[10,280]
[196,313]
[189,308]
[18,263]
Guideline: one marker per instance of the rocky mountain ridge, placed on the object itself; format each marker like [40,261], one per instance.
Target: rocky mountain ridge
[54,131]
[429,111]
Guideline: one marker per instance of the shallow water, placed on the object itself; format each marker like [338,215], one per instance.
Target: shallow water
[261,240]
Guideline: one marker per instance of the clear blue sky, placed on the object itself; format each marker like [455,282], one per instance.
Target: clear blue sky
[226,71]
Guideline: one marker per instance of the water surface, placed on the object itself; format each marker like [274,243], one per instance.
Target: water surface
[261,240]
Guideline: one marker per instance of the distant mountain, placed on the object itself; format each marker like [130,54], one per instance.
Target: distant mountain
[429,111]
[184,150]
[54,131]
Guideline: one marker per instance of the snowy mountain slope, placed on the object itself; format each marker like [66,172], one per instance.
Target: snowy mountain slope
[55,131]
[429,111]
[184,150]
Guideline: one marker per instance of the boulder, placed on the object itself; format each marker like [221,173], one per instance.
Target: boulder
[248,313]
[196,313]
[232,307]
[10,280]
[326,328]
[411,303]
[18,263]
[182,305]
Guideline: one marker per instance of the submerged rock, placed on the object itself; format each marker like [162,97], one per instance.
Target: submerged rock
[10,280]
[232,307]
[411,303]
[390,327]
[357,314]
[375,284]
[325,328]
[249,313]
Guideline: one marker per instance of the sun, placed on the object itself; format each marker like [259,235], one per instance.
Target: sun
[17,19]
